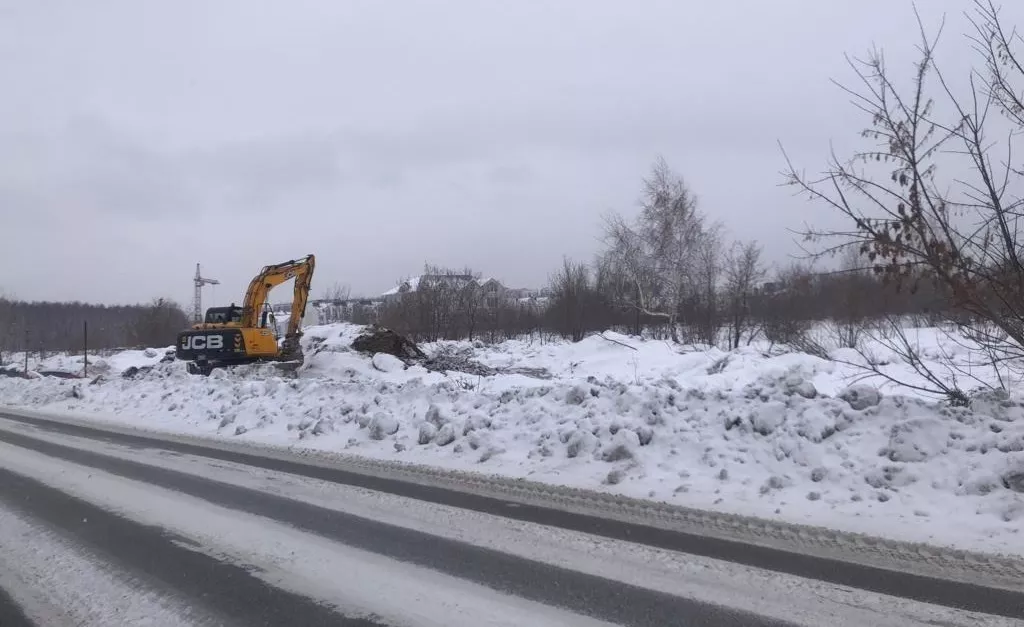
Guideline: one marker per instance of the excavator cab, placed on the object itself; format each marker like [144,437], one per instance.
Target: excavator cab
[224,315]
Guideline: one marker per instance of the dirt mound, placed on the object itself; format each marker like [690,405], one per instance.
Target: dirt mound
[445,359]
[380,340]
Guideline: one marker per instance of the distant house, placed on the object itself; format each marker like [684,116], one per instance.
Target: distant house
[363,310]
[394,295]
[769,287]
[282,312]
[456,281]
[536,303]
[544,292]
[536,299]
[329,311]
[357,310]
[493,293]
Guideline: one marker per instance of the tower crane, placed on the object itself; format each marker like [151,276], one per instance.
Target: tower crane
[197,303]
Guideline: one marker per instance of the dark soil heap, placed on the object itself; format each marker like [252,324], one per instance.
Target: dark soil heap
[381,340]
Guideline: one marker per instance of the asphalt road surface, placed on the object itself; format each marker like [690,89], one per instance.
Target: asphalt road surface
[98,528]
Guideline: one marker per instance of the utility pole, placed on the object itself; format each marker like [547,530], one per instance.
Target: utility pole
[85,347]
[197,302]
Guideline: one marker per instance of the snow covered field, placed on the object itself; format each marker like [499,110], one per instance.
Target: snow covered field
[752,431]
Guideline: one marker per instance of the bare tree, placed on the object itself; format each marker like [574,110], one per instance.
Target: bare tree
[852,289]
[468,299]
[442,304]
[337,293]
[709,265]
[653,258]
[573,293]
[159,323]
[784,309]
[633,268]
[614,285]
[940,378]
[959,232]
[743,273]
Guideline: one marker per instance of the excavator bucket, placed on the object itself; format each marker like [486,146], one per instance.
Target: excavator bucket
[291,348]
[291,356]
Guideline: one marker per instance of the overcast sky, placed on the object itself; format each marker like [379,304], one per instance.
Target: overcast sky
[138,138]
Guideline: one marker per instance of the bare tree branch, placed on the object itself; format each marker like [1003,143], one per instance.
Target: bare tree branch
[960,235]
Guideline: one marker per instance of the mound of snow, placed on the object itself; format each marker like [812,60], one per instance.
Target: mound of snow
[387,363]
[382,425]
[861,396]
[918,440]
[782,436]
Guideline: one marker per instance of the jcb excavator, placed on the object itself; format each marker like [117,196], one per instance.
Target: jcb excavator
[238,335]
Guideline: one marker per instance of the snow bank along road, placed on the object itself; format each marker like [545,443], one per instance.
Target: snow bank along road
[105,527]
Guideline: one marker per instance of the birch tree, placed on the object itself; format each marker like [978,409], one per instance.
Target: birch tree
[655,256]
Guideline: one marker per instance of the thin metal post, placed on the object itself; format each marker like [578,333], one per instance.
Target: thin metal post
[85,347]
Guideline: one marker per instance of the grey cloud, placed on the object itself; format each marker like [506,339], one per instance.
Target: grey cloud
[261,173]
[89,169]
[512,174]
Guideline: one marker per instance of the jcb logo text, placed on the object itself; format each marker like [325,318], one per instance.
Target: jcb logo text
[201,342]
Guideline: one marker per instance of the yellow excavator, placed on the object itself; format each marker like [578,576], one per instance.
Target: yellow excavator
[235,335]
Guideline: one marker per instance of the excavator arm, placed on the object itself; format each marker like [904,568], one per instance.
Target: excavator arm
[271,276]
[303,283]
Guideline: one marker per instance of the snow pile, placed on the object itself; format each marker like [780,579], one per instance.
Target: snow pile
[785,436]
[115,363]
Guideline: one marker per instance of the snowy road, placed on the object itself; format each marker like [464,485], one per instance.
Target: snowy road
[102,528]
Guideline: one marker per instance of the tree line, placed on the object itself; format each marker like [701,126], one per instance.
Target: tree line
[451,304]
[56,326]
[668,274]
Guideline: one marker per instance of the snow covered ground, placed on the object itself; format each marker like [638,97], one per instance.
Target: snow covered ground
[114,363]
[785,436]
